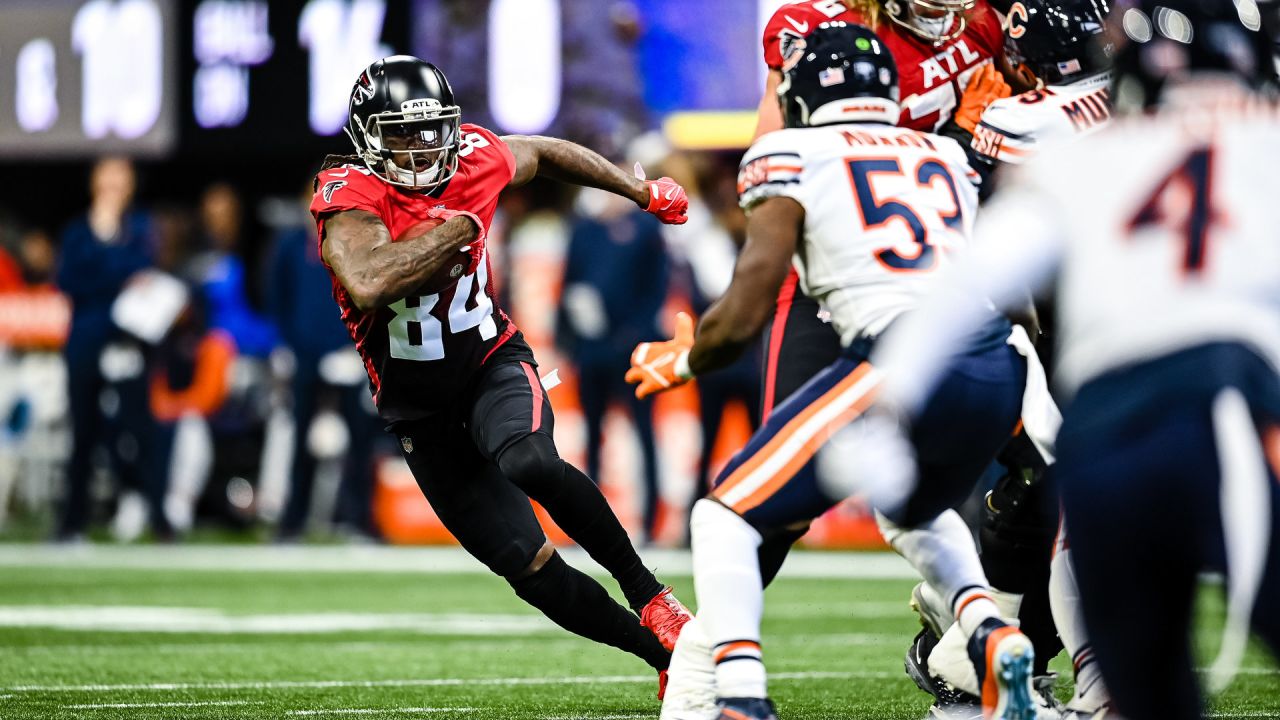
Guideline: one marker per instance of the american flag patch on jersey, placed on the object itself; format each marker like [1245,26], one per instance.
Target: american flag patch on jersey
[1069,66]
[831,76]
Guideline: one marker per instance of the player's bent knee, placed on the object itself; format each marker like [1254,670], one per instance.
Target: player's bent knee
[532,463]
[711,518]
[539,561]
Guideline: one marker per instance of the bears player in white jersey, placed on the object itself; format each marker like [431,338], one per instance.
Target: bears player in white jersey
[1166,269]
[1054,42]
[1051,39]
[868,253]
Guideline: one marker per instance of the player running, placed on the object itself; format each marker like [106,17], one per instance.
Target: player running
[1053,41]
[1167,269]
[402,229]
[867,253]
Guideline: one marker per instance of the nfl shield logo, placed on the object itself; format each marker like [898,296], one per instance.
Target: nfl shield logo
[407,444]
[831,76]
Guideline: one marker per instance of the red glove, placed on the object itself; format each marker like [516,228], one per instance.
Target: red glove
[667,200]
[476,247]
[660,366]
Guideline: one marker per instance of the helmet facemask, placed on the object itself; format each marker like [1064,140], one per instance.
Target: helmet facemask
[935,21]
[415,148]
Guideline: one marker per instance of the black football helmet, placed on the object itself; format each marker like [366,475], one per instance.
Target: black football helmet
[1055,38]
[843,74]
[1167,41]
[404,123]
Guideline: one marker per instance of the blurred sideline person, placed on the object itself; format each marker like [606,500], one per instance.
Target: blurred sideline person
[1165,264]
[326,372]
[840,103]
[240,431]
[716,231]
[99,253]
[615,282]
[402,229]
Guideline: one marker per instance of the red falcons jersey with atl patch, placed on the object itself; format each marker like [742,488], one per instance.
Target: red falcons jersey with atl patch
[931,78]
[421,351]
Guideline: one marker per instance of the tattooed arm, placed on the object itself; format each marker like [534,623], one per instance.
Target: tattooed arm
[376,271]
[571,163]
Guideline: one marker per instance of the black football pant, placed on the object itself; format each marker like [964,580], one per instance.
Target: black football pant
[478,468]
[1140,466]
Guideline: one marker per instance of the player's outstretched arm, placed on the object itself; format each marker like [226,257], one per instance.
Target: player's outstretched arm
[733,321]
[773,229]
[572,163]
[378,272]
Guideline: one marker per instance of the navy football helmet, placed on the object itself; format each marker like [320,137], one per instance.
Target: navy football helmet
[843,74]
[1055,38]
[404,122]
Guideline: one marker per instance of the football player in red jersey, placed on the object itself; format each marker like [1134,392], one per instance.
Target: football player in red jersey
[450,373]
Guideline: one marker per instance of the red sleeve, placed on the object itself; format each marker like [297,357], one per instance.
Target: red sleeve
[794,21]
[347,188]
[490,148]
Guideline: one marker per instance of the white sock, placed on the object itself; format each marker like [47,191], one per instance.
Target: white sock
[1064,602]
[726,575]
[691,683]
[942,550]
[973,607]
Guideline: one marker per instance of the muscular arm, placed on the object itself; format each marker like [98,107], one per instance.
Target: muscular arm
[376,271]
[733,321]
[571,163]
[769,114]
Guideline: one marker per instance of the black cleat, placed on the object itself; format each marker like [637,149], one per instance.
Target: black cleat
[949,702]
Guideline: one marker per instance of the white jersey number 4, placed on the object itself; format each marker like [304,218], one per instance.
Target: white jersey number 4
[416,334]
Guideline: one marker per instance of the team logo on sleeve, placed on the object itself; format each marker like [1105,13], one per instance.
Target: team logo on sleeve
[791,47]
[407,444]
[332,187]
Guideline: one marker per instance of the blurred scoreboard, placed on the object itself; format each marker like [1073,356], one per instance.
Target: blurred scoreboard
[199,77]
[259,79]
[88,76]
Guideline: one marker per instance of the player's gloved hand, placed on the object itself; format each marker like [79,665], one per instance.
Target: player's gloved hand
[660,366]
[667,200]
[985,87]
[476,247]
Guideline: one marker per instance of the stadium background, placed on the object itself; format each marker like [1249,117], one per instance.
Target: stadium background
[253,95]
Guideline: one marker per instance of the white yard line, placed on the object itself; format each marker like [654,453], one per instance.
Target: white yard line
[380,711]
[118,706]
[800,564]
[129,618]
[411,682]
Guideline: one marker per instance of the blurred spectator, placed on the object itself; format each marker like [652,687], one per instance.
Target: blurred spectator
[327,372]
[615,282]
[37,258]
[714,234]
[220,272]
[100,253]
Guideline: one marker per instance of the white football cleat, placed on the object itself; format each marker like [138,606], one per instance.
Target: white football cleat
[691,683]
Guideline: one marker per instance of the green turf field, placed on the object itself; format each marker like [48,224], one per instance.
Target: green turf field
[141,639]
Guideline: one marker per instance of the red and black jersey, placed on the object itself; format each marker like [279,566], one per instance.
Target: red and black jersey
[931,78]
[421,352]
